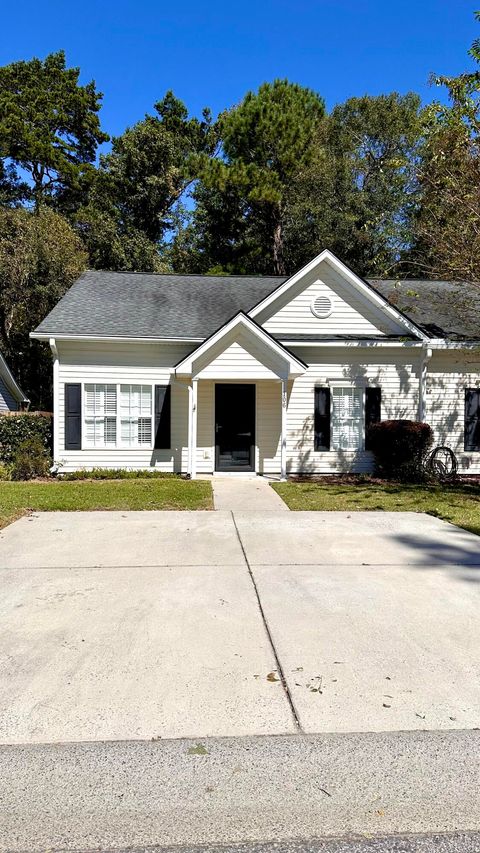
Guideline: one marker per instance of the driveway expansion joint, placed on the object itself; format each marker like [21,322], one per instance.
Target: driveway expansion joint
[278,663]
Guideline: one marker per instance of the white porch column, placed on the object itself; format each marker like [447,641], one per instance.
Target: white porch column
[193,467]
[283,446]
[56,443]
[190,421]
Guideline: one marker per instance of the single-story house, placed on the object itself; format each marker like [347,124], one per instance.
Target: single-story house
[205,374]
[12,398]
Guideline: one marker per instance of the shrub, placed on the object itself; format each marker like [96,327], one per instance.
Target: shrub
[115,474]
[4,471]
[400,448]
[31,460]
[16,429]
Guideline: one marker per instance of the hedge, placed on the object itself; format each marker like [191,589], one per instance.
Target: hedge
[400,448]
[16,429]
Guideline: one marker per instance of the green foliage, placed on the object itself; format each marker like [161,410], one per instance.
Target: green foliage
[131,202]
[115,474]
[400,447]
[40,257]
[49,124]
[266,140]
[446,233]
[30,460]
[54,496]
[352,188]
[15,430]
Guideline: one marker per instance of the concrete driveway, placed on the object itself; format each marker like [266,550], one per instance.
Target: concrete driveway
[125,625]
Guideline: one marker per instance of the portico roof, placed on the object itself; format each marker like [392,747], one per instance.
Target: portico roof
[253,339]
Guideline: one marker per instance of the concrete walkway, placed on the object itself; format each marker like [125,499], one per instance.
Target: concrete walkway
[253,494]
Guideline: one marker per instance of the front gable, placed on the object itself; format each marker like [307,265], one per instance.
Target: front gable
[240,349]
[326,298]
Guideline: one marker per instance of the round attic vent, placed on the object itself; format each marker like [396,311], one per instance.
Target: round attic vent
[322,307]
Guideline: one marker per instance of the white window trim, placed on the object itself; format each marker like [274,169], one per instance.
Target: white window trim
[118,444]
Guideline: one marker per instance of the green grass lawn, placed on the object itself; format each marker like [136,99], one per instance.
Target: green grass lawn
[171,493]
[458,503]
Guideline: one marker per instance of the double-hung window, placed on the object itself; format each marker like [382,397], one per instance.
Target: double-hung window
[347,418]
[117,415]
[136,415]
[100,406]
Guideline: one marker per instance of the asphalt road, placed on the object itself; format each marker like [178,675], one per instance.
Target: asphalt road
[116,796]
[459,842]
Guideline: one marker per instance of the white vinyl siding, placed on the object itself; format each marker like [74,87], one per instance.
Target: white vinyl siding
[449,374]
[394,370]
[7,401]
[135,363]
[352,313]
[346,418]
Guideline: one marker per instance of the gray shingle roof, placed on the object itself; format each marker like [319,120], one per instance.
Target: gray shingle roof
[146,305]
[443,309]
[176,306]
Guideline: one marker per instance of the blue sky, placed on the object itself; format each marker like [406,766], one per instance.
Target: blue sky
[211,53]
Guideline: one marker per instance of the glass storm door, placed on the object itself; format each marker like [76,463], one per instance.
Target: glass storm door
[234,427]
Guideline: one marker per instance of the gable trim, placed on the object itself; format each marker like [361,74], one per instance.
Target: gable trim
[11,383]
[359,283]
[185,365]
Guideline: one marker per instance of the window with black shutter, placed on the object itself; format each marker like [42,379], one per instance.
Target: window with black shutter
[322,419]
[73,416]
[472,419]
[162,417]
[373,411]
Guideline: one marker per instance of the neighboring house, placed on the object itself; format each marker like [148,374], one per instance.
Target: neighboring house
[198,374]
[12,398]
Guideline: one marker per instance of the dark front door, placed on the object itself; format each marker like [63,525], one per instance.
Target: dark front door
[235,427]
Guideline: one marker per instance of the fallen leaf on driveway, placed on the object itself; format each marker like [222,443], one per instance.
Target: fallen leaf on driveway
[198,749]
[272,677]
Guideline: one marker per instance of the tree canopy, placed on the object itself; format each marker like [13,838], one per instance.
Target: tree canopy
[49,124]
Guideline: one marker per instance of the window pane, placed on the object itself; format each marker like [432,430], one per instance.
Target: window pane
[144,430]
[347,418]
[90,399]
[110,430]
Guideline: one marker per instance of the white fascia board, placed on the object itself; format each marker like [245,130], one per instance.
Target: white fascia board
[10,381]
[357,344]
[353,279]
[440,343]
[43,336]
[240,320]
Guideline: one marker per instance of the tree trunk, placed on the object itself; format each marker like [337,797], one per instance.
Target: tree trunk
[278,259]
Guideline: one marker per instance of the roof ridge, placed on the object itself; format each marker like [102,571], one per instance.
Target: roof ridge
[186,274]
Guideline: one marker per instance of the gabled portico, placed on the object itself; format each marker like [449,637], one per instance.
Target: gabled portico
[241,354]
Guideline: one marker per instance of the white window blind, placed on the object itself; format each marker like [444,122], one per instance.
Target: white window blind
[347,418]
[100,403]
[136,415]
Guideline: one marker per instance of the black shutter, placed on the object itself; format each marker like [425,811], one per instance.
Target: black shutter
[472,419]
[322,419]
[373,411]
[162,417]
[73,416]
